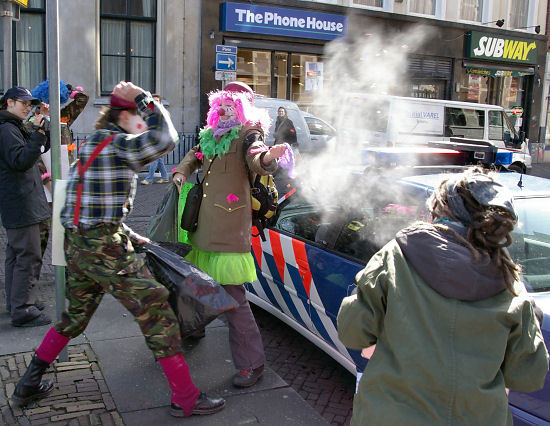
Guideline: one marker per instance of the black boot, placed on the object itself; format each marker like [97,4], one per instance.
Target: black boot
[31,386]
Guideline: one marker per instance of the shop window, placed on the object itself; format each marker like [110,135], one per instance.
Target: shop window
[280,70]
[519,10]
[29,45]
[473,88]
[432,90]
[464,123]
[306,78]
[513,90]
[254,69]
[424,7]
[471,10]
[128,43]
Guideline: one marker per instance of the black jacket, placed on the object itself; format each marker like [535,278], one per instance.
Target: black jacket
[22,198]
[285,131]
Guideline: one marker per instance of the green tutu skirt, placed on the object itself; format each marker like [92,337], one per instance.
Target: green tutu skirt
[225,268]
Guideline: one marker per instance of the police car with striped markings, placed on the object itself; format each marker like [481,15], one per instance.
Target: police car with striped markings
[313,250]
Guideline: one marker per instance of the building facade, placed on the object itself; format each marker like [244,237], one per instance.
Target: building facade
[288,49]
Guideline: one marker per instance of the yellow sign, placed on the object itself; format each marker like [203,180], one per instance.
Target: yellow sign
[23,3]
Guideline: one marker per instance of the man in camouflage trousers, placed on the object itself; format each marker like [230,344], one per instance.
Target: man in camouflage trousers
[99,248]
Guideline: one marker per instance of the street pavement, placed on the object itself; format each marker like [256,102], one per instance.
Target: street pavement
[112,378]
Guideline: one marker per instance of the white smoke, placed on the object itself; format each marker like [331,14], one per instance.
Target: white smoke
[373,63]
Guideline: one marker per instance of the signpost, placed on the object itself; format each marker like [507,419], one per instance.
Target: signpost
[226,58]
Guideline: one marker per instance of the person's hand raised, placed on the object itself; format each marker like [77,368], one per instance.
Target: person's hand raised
[275,151]
[127,90]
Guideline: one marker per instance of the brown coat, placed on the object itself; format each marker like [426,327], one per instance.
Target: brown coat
[224,226]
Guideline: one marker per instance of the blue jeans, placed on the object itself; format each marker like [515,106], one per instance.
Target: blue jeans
[153,167]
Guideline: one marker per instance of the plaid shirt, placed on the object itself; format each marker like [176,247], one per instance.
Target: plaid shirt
[110,183]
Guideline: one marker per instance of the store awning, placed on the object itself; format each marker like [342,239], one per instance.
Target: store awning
[499,71]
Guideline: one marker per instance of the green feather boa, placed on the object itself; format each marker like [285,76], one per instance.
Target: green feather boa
[210,147]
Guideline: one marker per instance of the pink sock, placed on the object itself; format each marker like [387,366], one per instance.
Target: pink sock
[184,392]
[51,345]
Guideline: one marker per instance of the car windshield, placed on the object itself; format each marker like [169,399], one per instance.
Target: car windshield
[531,246]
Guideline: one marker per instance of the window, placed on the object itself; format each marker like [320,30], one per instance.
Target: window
[254,69]
[471,10]
[518,13]
[495,125]
[424,7]
[28,47]
[464,123]
[128,43]
[372,3]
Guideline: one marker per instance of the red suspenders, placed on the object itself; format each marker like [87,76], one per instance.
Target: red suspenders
[81,170]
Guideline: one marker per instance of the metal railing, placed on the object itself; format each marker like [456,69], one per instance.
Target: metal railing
[185,143]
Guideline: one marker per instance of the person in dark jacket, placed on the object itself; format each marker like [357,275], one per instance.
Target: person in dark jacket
[284,128]
[24,205]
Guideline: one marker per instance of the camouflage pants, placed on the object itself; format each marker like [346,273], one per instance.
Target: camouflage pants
[103,260]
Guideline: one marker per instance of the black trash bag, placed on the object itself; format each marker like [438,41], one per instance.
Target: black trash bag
[164,224]
[196,298]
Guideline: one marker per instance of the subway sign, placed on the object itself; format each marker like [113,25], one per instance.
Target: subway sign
[500,48]
[254,19]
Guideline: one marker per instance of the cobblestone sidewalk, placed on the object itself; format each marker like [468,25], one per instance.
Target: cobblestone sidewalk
[80,395]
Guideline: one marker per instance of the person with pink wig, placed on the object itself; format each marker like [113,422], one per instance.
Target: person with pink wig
[231,147]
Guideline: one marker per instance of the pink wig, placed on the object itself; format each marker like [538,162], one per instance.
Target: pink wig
[246,112]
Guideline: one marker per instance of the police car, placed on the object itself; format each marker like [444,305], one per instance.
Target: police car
[313,250]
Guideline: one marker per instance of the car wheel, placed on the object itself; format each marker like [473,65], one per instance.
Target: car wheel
[518,168]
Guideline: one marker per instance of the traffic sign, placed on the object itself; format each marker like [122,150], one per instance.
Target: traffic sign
[226,62]
[225,75]
[222,48]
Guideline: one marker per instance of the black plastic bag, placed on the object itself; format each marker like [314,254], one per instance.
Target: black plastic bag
[164,223]
[197,299]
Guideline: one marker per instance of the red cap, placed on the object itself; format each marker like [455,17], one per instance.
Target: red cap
[239,86]
[119,103]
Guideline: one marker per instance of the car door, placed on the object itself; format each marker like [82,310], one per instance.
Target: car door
[302,280]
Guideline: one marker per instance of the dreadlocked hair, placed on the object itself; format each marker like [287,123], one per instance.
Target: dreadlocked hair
[489,233]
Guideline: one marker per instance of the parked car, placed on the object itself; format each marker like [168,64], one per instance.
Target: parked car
[313,250]
[323,135]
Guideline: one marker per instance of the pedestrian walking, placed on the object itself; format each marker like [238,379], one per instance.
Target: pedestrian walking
[452,323]
[99,247]
[221,242]
[24,206]
[159,163]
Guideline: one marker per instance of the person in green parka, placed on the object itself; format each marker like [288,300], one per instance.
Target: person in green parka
[452,323]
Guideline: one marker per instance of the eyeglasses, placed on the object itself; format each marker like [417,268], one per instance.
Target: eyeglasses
[26,104]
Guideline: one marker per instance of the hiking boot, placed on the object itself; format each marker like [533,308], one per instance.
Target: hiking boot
[204,405]
[162,181]
[145,182]
[35,322]
[31,386]
[248,377]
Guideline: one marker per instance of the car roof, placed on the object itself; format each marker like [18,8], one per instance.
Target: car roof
[262,101]
[522,186]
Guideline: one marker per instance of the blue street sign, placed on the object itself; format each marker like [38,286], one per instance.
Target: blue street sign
[225,62]
[222,48]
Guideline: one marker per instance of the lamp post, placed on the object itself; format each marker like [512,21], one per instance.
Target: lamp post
[8,12]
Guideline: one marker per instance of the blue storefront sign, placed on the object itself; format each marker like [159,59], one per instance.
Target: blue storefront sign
[249,18]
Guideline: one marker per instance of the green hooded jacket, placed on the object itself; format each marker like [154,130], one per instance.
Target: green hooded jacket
[449,337]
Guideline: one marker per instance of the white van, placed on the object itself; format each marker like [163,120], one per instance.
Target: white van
[294,114]
[382,120]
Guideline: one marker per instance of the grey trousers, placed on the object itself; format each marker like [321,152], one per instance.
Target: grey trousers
[23,260]
[245,340]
